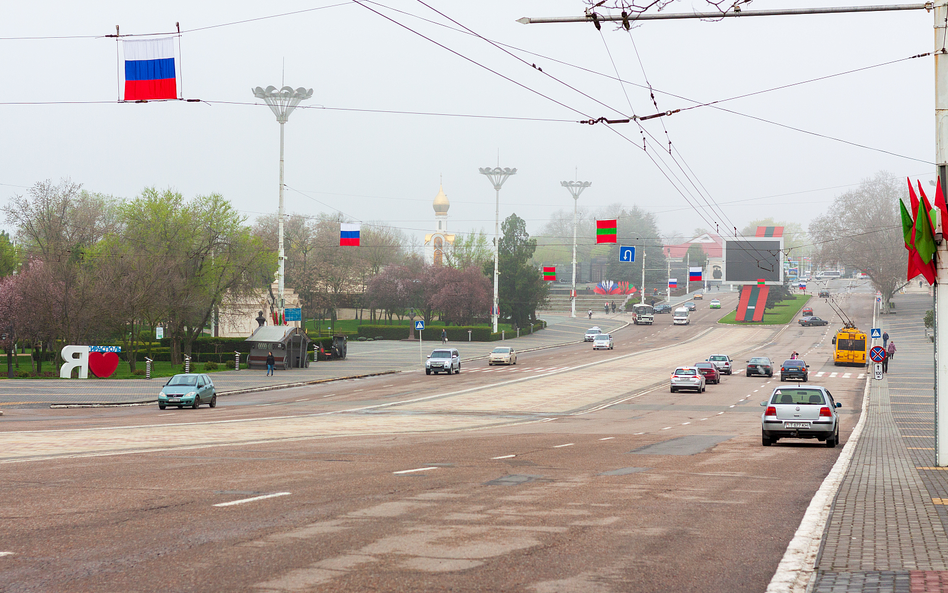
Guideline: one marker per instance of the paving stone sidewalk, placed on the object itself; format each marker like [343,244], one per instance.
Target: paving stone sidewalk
[888,529]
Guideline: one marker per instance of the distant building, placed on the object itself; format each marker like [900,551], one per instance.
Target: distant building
[438,244]
[712,245]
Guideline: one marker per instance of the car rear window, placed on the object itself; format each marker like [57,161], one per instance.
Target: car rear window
[798,397]
[794,363]
[718,358]
[704,365]
[685,371]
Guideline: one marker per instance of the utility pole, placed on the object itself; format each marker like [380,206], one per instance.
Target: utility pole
[643,274]
[575,188]
[497,177]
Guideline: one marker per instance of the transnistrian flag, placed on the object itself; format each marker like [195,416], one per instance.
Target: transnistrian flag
[549,273]
[694,274]
[149,69]
[673,283]
[606,231]
[760,281]
[349,234]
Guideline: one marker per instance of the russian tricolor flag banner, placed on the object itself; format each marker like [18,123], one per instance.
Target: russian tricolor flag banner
[673,283]
[348,234]
[149,69]
[694,274]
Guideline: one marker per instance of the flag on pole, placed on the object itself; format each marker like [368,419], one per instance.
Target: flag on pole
[915,264]
[606,231]
[549,273]
[694,274]
[760,281]
[149,69]
[348,234]
[924,241]
[673,283]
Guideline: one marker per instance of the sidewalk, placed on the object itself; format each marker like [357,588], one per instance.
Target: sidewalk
[887,527]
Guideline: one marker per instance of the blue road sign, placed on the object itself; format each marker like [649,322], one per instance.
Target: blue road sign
[294,314]
[875,333]
[877,353]
[420,324]
[626,253]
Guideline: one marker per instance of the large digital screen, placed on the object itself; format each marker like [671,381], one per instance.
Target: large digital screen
[750,259]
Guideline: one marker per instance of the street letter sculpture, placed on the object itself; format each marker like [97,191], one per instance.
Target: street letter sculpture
[75,357]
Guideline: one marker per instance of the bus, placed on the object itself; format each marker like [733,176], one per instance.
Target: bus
[849,347]
[642,314]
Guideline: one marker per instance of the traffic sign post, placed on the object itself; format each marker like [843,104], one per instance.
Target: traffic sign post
[420,325]
[626,253]
[877,371]
[877,354]
[875,333]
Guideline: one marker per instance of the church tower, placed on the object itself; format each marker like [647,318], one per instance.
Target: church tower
[438,244]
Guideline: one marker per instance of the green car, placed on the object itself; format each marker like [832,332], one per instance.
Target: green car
[715,304]
[191,389]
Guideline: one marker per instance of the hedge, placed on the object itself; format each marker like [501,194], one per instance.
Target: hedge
[456,333]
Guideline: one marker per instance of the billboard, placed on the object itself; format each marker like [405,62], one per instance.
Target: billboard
[747,260]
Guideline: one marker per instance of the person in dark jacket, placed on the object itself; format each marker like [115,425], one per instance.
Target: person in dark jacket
[271,362]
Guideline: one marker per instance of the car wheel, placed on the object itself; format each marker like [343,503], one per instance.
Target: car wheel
[459,368]
[197,403]
[213,403]
[490,364]
[765,440]
[771,374]
[832,440]
[673,390]
[782,378]
[427,371]
[805,379]
[161,406]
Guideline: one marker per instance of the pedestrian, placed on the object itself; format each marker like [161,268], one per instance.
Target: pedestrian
[271,362]
[885,339]
[613,306]
[444,336]
[606,308]
[590,313]
[892,349]
[794,355]
[885,362]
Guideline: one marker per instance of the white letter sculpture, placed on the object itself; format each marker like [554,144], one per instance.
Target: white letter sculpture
[75,357]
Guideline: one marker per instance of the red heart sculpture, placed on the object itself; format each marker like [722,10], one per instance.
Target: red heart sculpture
[103,364]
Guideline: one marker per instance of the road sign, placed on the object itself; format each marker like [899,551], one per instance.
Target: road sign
[420,324]
[294,314]
[626,253]
[877,353]
[877,371]
[875,333]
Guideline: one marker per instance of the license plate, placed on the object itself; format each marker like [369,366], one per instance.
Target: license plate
[797,425]
[173,399]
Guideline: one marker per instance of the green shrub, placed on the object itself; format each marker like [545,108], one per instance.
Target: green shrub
[210,366]
[23,374]
[139,372]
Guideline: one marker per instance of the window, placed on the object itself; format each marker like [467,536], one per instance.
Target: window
[858,344]
[803,397]
[685,372]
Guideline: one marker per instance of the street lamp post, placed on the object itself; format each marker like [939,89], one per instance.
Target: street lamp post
[497,177]
[281,102]
[575,188]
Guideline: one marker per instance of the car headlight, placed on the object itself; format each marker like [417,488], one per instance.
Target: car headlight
[162,395]
[191,394]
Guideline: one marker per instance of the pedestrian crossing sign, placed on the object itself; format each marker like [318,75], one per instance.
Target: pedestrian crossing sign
[420,324]
[875,333]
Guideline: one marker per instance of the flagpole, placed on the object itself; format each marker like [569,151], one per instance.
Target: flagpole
[941,253]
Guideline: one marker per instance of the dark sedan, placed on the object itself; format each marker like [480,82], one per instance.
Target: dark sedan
[794,368]
[690,306]
[662,308]
[814,320]
[710,372]
[760,365]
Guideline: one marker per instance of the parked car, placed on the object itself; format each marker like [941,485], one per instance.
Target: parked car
[188,389]
[662,308]
[603,342]
[723,362]
[690,306]
[687,378]
[446,360]
[814,320]
[800,413]
[591,333]
[502,355]
[824,294]
[710,372]
[794,368]
[760,365]
[714,304]
[698,297]
[806,312]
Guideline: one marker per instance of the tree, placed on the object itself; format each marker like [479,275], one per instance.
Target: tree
[638,228]
[462,295]
[863,230]
[696,257]
[521,289]
[470,250]
[9,255]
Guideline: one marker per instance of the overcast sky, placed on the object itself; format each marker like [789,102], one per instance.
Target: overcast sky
[348,151]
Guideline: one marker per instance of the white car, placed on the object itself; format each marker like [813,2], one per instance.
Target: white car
[502,355]
[591,333]
[443,360]
[723,362]
[687,378]
[603,342]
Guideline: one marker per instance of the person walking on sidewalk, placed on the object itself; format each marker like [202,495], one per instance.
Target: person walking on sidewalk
[271,362]
[444,336]
[885,340]
[892,349]
[590,313]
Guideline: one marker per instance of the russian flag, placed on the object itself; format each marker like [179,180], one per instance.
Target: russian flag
[149,69]
[673,283]
[348,235]
[694,274]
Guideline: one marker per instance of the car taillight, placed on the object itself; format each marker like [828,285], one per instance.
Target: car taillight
[771,411]
[782,369]
[825,412]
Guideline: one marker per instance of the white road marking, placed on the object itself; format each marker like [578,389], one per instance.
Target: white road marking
[384,386]
[255,498]
[861,376]
[820,374]
[6,554]
[666,428]
[332,394]
[566,445]
[719,413]
[702,420]
[833,375]
[638,433]
[847,375]
[504,457]
[685,423]
[303,400]
[730,406]
[166,414]
[417,469]
[607,439]
[755,391]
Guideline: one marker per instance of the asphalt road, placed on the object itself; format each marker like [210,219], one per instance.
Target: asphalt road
[572,471]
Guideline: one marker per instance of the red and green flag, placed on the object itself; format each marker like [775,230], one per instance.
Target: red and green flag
[924,240]
[549,273]
[760,281]
[606,231]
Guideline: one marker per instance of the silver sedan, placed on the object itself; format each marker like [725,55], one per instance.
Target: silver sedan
[687,378]
[502,355]
[800,413]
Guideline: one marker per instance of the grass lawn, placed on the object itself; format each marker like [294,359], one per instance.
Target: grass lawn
[159,369]
[781,314]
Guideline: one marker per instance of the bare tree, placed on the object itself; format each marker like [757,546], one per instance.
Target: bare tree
[863,230]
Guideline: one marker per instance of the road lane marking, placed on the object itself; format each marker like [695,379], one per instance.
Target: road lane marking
[504,457]
[332,394]
[833,375]
[685,423]
[417,469]
[255,498]
[702,420]
[303,400]
[666,428]
[566,445]
[6,554]
[730,406]
[607,439]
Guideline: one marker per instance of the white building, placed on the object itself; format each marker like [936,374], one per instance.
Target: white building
[438,244]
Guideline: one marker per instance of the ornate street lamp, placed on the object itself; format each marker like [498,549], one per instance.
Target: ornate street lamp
[282,102]
[497,177]
[575,188]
